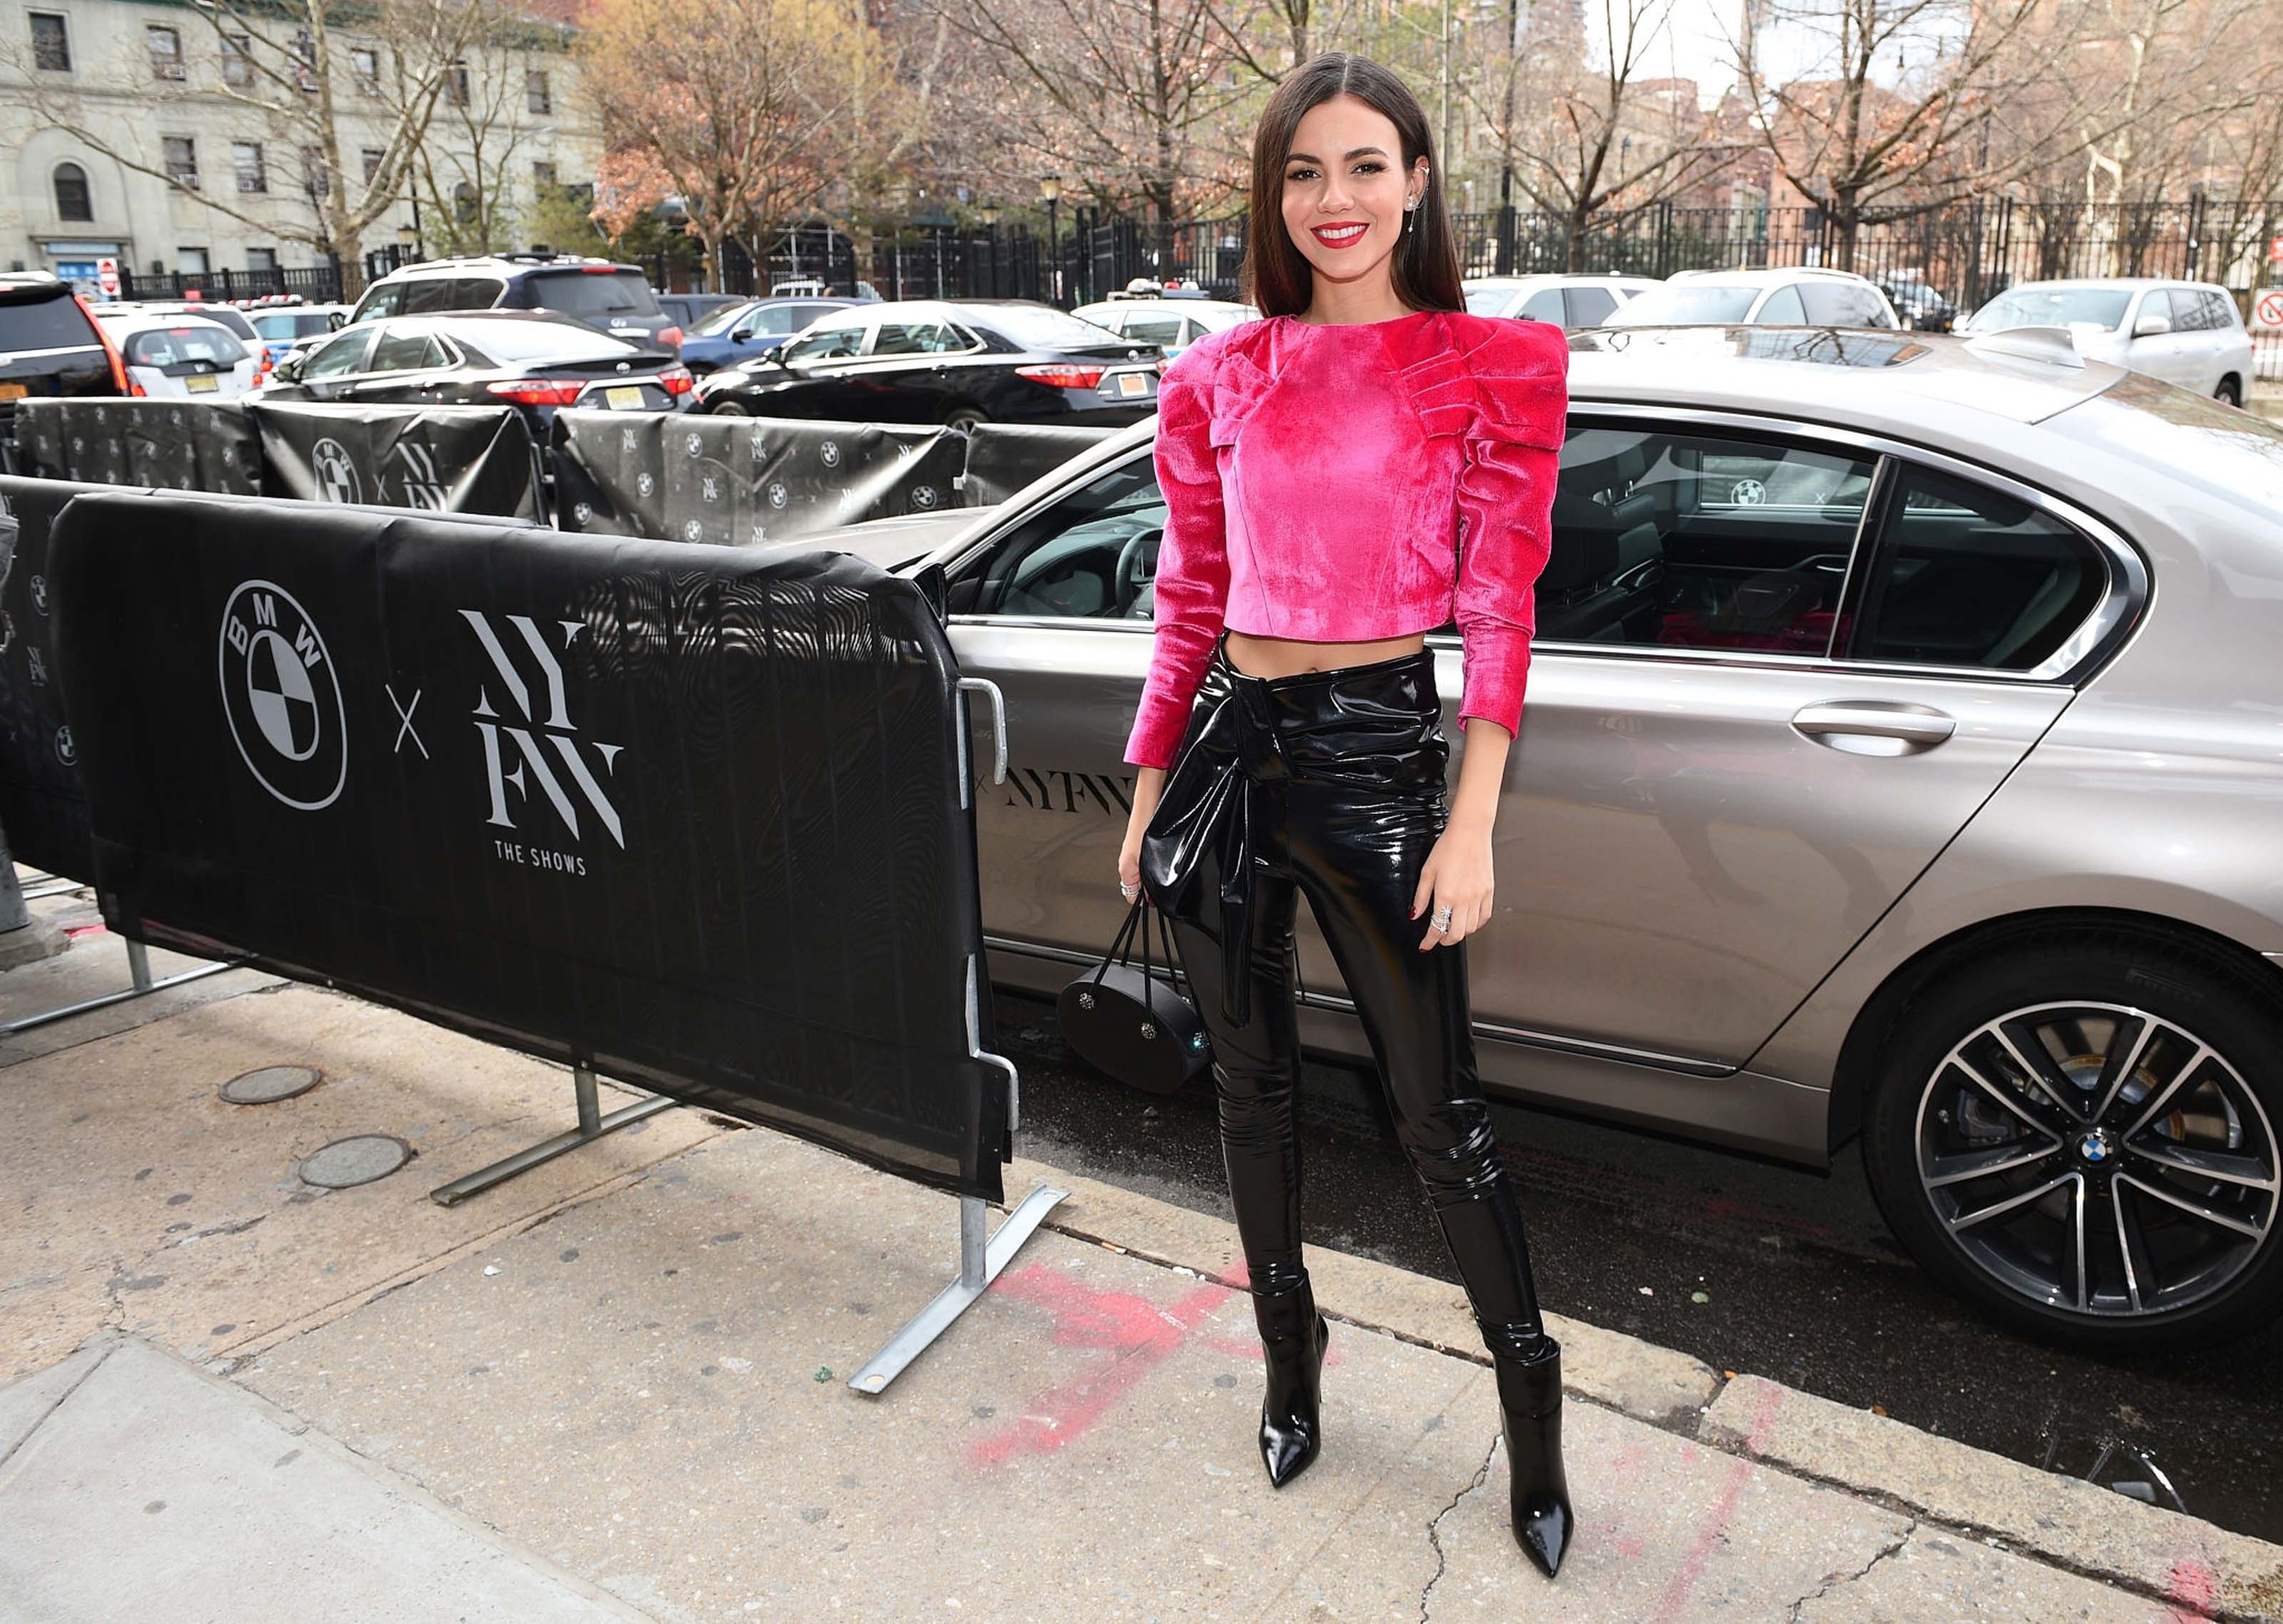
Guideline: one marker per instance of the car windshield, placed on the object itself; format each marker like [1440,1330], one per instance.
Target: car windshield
[1489,301]
[2103,307]
[183,346]
[721,321]
[51,322]
[593,293]
[1680,303]
[518,342]
[1037,327]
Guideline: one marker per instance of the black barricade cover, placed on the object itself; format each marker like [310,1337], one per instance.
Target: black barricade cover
[43,807]
[443,459]
[693,815]
[1003,457]
[744,481]
[180,445]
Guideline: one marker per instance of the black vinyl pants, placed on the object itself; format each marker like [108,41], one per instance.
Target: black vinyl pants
[1332,783]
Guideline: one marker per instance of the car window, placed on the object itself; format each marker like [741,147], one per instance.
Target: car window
[1699,541]
[1093,555]
[183,346]
[387,299]
[1588,305]
[338,356]
[1543,305]
[281,324]
[916,339]
[1842,304]
[2103,307]
[588,294]
[1488,301]
[1783,306]
[1156,327]
[715,322]
[1039,327]
[1684,303]
[2187,310]
[2220,313]
[827,344]
[1965,575]
[399,351]
[50,322]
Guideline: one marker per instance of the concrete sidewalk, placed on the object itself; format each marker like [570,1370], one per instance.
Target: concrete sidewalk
[616,1388]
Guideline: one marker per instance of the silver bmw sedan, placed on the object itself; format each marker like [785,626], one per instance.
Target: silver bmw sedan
[1902,763]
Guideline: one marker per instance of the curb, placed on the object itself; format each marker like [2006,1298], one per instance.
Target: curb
[2195,1566]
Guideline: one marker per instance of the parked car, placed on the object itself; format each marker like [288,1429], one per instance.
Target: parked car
[1172,321]
[960,362]
[610,298]
[503,357]
[1919,304]
[749,328]
[50,345]
[284,329]
[1773,298]
[185,357]
[1887,777]
[2188,333]
[687,310]
[1565,301]
[214,310]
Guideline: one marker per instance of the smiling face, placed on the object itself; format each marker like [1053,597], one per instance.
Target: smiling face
[1344,189]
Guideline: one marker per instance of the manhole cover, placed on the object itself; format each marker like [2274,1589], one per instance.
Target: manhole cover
[346,1163]
[270,1085]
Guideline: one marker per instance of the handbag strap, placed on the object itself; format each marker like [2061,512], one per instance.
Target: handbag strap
[1118,948]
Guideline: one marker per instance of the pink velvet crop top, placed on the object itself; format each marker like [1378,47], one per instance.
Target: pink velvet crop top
[1340,484]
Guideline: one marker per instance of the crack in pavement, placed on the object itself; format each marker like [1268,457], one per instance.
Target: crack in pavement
[1435,1528]
[1831,1582]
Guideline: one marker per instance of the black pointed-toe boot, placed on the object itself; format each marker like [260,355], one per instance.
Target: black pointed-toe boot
[1293,1337]
[1530,1406]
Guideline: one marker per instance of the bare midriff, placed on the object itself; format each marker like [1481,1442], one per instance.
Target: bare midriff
[1287,657]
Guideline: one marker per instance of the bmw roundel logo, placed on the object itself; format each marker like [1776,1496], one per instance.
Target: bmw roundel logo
[283,697]
[829,454]
[2094,1147]
[336,470]
[926,497]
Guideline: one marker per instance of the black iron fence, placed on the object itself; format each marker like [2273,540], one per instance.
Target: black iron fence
[317,283]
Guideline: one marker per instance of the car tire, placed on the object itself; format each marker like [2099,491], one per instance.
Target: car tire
[731,408]
[2230,392]
[965,418]
[1953,1103]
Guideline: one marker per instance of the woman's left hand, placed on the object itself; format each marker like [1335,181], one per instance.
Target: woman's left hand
[1456,876]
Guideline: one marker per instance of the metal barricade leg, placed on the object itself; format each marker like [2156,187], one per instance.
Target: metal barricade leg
[138,970]
[592,1126]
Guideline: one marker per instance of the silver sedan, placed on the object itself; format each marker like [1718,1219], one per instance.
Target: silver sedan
[1903,761]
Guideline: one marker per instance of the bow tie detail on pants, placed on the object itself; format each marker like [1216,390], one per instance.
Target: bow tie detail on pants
[1333,783]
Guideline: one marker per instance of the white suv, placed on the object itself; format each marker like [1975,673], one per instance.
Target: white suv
[1795,295]
[1564,300]
[2188,333]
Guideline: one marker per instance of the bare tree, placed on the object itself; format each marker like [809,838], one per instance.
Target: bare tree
[292,69]
[489,106]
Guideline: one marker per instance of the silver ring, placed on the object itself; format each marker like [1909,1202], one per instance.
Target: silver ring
[1443,912]
[1131,891]
[1444,926]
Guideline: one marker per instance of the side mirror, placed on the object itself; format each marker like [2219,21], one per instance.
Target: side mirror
[2149,326]
[289,370]
[741,332]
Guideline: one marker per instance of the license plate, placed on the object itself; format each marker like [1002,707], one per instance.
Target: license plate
[1132,384]
[203,383]
[14,391]
[624,399]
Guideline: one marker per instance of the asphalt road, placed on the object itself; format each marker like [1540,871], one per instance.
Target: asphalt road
[1750,1267]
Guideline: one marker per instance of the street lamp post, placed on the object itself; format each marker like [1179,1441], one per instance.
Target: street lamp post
[990,213]
[1050,188]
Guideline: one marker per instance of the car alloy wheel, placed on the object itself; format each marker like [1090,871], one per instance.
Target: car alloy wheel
[2098,1158]
[2229,393]
[2103,1170]
[730,407]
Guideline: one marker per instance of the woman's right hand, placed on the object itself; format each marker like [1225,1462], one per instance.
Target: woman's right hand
[1148,784]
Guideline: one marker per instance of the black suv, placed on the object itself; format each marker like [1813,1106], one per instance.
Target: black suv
[50,345]
[609,298]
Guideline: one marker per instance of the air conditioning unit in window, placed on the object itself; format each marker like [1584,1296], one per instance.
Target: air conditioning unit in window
[167,70]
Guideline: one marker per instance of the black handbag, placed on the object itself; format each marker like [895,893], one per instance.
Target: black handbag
[1134,1024]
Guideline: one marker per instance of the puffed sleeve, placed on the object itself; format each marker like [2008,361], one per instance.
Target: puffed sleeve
[1511,459]
[1192,582]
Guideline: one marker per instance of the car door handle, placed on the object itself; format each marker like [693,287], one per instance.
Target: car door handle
[1918,724]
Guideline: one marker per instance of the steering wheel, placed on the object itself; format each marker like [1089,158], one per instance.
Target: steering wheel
[1127,580]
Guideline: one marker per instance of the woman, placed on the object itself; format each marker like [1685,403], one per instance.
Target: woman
[1364,462]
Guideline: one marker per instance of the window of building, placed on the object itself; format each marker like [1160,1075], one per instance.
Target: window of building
[456,84]
[51,43]
[463,201]
[316,175]
[165,48]
[181,159]
[237,59]
[245,157]
[261,258]
[191,261]
[372,156]
[305,62]
[364,66]
[535,94]
[72,200]
[542,176]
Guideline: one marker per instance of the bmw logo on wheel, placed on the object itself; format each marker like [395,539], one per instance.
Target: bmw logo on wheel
[283,698]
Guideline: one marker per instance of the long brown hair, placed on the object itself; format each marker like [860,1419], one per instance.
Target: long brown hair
[1276,276]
